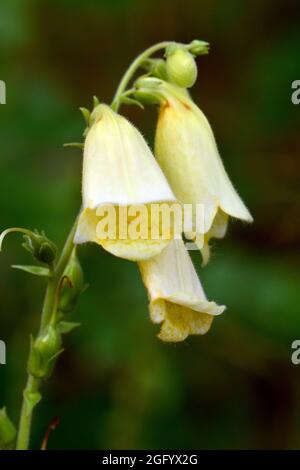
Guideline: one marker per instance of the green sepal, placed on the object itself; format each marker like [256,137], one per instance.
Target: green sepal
[86,114]
[145,90]
[55,356]
[156,68]
[67,326]
[96,101]
[171,48]
[131,101]
[198,47]
[72,284]
[77,145]
[36,270]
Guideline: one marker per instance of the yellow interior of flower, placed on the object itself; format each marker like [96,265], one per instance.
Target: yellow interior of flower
[135,232]
[178,322]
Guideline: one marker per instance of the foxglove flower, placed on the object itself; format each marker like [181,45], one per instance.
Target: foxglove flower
[186,150]
[177,299]
[119,172]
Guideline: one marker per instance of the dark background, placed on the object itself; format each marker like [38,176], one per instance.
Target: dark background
[117,385]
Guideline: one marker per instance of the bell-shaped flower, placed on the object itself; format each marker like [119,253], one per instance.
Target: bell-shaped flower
[121,180]
[186,150]
[177,299]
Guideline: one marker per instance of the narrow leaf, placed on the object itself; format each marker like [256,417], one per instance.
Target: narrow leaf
[36,270]
[77,145]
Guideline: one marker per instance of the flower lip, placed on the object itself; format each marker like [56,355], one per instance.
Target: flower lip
[177,300]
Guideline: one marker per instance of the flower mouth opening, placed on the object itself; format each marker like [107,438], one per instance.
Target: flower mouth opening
[136,231]
[178,321]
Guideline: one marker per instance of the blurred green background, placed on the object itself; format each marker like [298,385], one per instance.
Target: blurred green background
[117,385]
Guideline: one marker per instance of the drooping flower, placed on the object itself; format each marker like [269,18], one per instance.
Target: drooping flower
[186,150]
[120,176]
[177,299]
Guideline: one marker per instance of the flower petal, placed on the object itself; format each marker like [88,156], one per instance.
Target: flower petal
[119,170]
[186,150]
[118,166]
[177,299]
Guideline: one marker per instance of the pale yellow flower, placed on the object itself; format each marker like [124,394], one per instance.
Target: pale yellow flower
[177,299]
[186,150]
[119,172]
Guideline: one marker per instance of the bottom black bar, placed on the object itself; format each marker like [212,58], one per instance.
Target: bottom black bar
[136,458]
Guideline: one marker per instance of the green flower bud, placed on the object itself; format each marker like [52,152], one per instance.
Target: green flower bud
[73,288]
[47,252]
[44,350]
[181,67]
[146,90]
[157,68]
[40,247]
[7,430]
[198,47]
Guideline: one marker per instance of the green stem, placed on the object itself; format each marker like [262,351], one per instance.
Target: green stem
[33,384]
[55,279]
[132,69]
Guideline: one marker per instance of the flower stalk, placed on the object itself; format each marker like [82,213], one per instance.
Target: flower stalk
[135,65]
[31,393]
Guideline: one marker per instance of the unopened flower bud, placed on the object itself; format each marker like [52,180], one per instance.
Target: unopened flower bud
[198,47]
[47,253]
[73,287]
[181,67]
[43,352]
[146,90]
[40,247]
[157,68]
[7,430]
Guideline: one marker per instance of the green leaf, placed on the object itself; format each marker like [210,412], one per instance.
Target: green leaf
[67,326]
[36,270]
